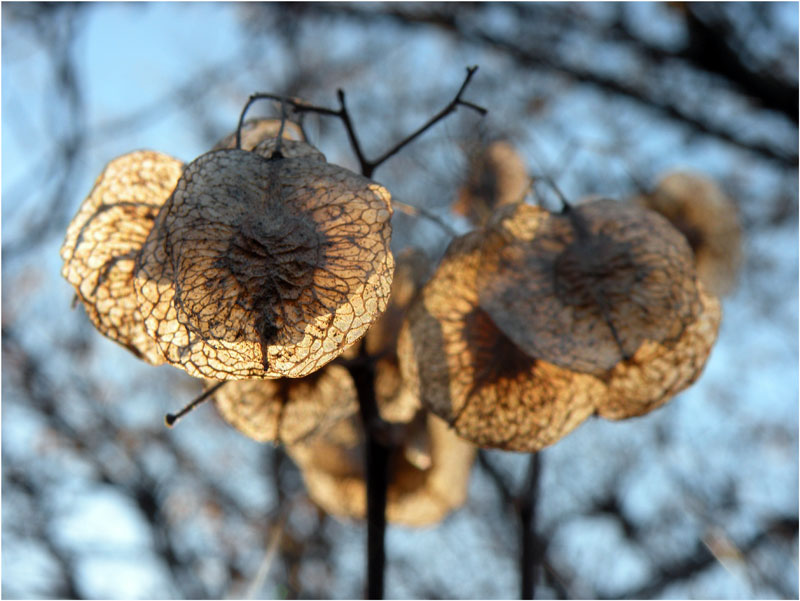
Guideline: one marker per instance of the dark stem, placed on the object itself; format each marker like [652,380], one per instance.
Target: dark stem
[171,418]
[376,460]
[530,550]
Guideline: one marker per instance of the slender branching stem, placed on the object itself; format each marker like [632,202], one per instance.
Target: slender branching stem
[367,166]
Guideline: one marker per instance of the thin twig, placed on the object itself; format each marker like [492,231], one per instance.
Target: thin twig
[171,418]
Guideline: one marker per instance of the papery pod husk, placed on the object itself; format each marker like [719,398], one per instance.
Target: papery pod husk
[288,410]
[265,268]
[428,477]
[709,220]
[657,372]
[583,289]
[104,237]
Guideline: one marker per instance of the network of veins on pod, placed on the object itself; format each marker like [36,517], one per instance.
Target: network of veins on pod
[266,270]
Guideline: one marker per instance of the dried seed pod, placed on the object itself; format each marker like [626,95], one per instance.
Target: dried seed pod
[104,237]
[255,131]
[496,176]
[288,410]
[584,289]
[428,478]
[261,268]
[467,371]
[697,207]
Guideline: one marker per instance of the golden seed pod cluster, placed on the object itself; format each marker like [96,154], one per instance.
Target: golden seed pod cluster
[241,264]
[541,319]
[256,266]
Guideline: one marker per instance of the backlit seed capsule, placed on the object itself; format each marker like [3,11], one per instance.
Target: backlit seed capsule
[528,327]
[265,267]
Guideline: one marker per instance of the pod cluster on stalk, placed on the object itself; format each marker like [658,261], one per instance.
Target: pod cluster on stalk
[267,272]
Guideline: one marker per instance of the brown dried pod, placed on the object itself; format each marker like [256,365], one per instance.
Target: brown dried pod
[259,268]
[496,176]
[467,371]
[288,410]
[255,131]
[657,372]
[585,288]
[697,207]
[428,478]
[104,237]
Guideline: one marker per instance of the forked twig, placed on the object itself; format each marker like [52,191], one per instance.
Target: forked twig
[367,166]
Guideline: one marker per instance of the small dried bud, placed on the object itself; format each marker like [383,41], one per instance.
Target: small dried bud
[496,176]
[428,477]
[255,131]
[288,410]
[698,208]
[103,239]
[263,268]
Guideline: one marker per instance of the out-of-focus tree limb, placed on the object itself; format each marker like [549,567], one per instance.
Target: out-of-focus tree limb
[537,58]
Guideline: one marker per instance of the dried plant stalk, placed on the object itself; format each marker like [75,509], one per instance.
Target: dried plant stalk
[261,268]
[103,239]
[429,473]
[287,410]
[584,289]
[697,207]
[467,371]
